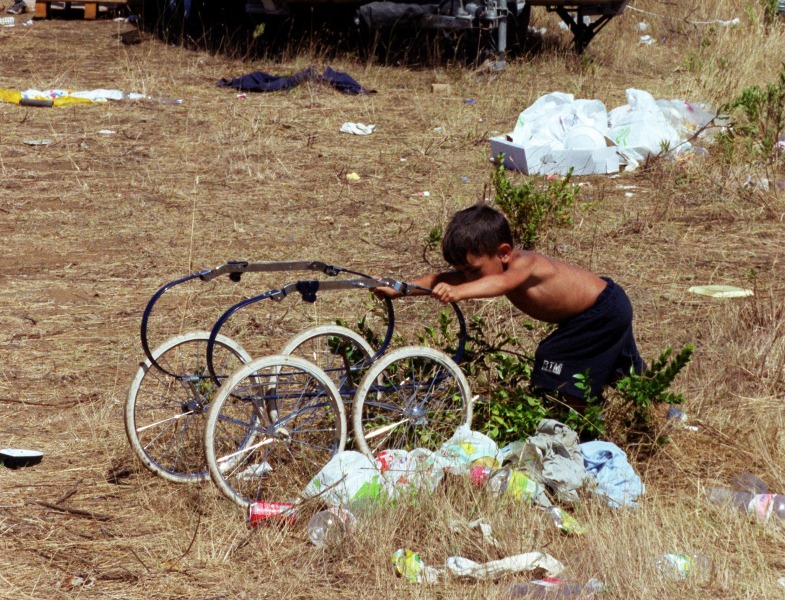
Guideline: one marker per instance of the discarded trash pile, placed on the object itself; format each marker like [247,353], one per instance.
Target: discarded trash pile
[549,470]
[558,133]
[550,466]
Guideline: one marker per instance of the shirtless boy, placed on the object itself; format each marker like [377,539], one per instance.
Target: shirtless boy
[593,314]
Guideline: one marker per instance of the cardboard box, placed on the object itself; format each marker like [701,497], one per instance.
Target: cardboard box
[541,160]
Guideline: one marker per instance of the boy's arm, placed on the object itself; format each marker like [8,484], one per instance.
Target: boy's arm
[425,281]
[490,286]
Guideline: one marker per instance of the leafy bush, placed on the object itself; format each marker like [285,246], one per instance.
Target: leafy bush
[637,395]
[531,207]
[758,118]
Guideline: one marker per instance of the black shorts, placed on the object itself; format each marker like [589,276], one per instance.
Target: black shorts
[599,340]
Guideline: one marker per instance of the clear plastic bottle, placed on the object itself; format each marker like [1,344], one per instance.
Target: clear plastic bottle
[565,521]
[763,507]
[330,525]
[747,482]
[682,566]
[556,588]
[513,483]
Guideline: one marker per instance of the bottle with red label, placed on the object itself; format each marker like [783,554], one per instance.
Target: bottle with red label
[265,513]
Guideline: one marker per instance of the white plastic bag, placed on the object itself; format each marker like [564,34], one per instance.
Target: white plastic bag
[348,477]
[466,447]
[411,471]
[640,129]
[548,121]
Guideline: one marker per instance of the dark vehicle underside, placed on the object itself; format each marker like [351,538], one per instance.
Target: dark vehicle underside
[500,20]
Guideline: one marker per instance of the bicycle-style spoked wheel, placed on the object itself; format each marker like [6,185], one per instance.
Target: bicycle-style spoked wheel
[341,353]
[164,415]
[274,424]
[413,397]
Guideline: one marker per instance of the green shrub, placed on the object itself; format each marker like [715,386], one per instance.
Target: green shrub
[758,117]
[531,207]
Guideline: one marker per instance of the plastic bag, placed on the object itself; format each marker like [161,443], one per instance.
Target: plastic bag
[347,478]
[467,447]
[411,470]
[550,119]
[640,129]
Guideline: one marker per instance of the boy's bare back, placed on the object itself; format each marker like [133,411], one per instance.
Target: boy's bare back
[552,291]
[544,288]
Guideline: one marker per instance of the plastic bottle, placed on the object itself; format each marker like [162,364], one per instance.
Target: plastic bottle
[681,566]
[747,482]
[330,525]
[565,521]
[763,507]
[264,513]
[552,587]
[517,484]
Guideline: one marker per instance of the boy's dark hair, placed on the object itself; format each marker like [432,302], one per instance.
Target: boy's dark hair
[478,229]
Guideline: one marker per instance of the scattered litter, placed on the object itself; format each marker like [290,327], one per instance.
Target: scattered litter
[558,133]
[617,482]
[352,177]
[730,23]
[266,513]
[423,194]
[259,81]
[357,128]
[14,458]
[438,129]
[628,194]
[467,449]
[682,566]
[464,179]
[241,96]
[483,526]
[60,97]
[643,26]
[459,566]
[781,581]
[469,101]
[626,187]
[441,88]
[42,142]
[553,456]
[565,521]
[77,581]
[552,587]
[7,21]
[106,131]
[348,477]
[647,40]
[410,566]
[762,507]
[679,418]
[252,472]
[720,291]
[330,525]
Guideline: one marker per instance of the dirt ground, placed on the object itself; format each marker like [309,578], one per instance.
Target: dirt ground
[93,223]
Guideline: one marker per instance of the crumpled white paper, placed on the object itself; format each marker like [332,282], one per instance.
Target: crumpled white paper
[463,567]
[357,128]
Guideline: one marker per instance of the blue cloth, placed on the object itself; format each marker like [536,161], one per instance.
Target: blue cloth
[617,482]
[259,81]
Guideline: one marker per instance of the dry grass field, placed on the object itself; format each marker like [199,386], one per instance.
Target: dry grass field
[93,224]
